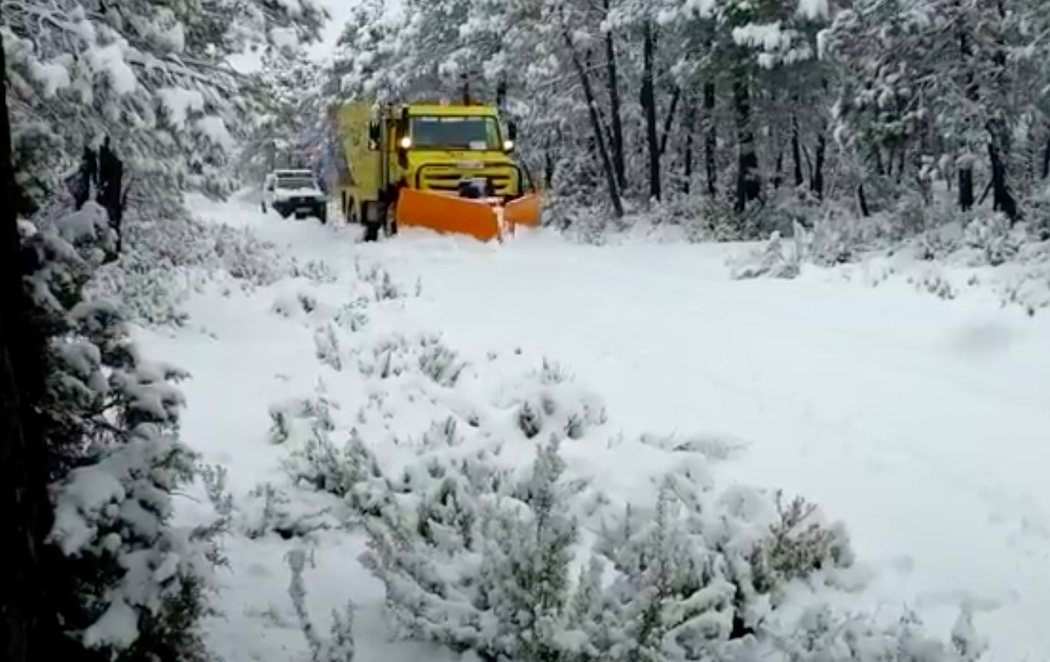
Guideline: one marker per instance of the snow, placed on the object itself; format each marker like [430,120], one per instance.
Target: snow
[919,423]
[769,36]
[118,627]
[110,59]
[179,102]
[89,491]
[813,9]
[53,75]
[214,127]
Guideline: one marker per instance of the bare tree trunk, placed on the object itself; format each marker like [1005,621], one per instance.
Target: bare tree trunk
[649,108]
[613,83]
[748,185]
[966,188]
[28,633]
[466,90]
[816,184]
[1046,159]
[966,169]
[596,125]
[998,149]
[710,142]
[669,120]
[687,154]
[862,200]
[501,94]
[796,152]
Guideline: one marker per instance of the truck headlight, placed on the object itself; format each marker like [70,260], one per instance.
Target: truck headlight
[508,145]
[406,142]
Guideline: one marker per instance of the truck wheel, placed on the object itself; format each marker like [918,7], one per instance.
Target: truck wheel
[264,207]
[322,213]
[371,231]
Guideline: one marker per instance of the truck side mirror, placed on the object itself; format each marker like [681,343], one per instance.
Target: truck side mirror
[512,130]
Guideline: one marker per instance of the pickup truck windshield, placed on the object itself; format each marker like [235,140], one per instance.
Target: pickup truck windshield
[441,132]
[294,182]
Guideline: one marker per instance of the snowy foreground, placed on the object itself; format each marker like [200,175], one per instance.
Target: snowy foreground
[922,425]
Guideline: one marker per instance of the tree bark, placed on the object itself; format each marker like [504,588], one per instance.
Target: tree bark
[596,125]
[613,83]
[25,510]
[1046,159]
[669,120]
[689,122]
[966,170]
[817,182]
[796,152]
[748,185]
[966,188]
[648,100]
[998,149]
[710,142]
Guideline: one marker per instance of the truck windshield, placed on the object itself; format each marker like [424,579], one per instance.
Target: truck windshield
[442,132]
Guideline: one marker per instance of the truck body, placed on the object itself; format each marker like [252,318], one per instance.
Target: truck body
[440,166]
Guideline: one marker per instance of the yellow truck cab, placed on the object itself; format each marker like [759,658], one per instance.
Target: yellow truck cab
[440,146]
[448,167]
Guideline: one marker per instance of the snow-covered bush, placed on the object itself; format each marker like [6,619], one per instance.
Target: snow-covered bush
[339,645]
[297,419]
[475,560]
[168,254]
[138,583]
[499,559]
[775,260]
[383,285]
[478,559]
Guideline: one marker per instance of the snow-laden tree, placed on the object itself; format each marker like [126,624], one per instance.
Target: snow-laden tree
[938,86]
[153,77]
[125,583]
[290,128]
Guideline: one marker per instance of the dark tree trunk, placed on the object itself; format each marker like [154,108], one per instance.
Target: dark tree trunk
[596,125]
[669,120]
[796,152]
[966,188]
[613,83]
[28,630]
[648,99]
[1046,159]
[710,143]
[998,148]
[687,157]
[816,184]
[862,200]
[748,185]
[501,95]
[966,171]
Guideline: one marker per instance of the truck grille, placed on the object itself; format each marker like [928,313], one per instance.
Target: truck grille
[447,178]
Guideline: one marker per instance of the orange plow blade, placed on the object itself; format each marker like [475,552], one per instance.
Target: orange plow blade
[523,211]
[447,213]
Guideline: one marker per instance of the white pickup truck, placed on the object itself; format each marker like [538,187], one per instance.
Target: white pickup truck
[294,192]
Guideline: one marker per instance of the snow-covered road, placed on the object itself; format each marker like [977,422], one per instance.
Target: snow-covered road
[924,425]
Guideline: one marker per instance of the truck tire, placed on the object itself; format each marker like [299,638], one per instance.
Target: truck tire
[264,207]
[371,231]
[322,214]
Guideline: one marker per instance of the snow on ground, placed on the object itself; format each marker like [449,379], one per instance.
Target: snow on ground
[922,424]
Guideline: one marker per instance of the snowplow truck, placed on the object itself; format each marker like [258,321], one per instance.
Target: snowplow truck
[440,166]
